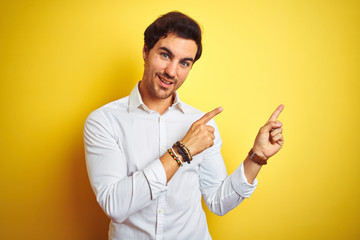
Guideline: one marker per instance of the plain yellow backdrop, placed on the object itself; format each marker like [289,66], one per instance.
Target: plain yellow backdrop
[59,60]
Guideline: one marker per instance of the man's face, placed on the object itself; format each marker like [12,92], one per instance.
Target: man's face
[167,65]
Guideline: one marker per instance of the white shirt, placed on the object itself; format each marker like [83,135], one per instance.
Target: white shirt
[123,143]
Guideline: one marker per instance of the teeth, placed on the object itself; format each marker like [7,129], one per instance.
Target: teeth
[164,81]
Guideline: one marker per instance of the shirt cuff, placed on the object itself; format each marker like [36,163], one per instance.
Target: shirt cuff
[240,183]
[156,177]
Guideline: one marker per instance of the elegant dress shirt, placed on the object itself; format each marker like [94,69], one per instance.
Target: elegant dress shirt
[123,143]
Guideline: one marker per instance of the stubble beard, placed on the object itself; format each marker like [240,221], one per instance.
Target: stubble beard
[159,91]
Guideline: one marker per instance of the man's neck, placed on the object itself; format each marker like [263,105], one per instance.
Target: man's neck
[153,103]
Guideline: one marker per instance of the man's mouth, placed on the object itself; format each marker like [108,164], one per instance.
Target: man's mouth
[164,80]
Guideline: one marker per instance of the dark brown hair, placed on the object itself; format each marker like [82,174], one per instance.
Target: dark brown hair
[177,23]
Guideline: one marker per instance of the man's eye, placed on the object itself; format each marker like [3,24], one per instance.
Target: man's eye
[185,64]
[165,55]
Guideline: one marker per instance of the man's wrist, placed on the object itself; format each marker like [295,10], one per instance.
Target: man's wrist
[183,151]
[258,152]
[257,157]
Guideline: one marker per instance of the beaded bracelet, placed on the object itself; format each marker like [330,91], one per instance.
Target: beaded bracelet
[174,157]
[182,153]
[185,149]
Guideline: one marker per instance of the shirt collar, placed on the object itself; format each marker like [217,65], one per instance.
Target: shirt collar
[135,101]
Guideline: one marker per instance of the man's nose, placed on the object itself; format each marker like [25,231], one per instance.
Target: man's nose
[171,69]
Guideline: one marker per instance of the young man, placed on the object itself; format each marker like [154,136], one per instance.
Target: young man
[151,157]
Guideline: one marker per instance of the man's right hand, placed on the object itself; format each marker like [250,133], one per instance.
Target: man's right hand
[201,136]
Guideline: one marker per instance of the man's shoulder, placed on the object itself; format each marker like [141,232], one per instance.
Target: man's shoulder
[118,106]
[121,104]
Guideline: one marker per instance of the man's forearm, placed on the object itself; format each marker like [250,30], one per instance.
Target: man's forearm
[170,165]
[251,169]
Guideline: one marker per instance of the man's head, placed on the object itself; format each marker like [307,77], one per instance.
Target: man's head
[172,45]
[173,23]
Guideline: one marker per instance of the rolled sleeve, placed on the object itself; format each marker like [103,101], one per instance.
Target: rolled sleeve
[156,177]
[240,182]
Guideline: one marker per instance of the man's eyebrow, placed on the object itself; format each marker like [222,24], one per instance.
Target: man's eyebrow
[188,59]
[172,55]
[168,51]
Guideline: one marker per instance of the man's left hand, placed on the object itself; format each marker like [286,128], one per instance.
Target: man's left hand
[269,140]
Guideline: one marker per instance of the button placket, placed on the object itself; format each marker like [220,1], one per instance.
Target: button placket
[161,201]
[160,218]
[162,134]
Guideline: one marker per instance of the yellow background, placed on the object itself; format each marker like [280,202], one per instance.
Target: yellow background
[61,59]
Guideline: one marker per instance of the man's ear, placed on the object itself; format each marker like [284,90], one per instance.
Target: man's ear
[145,52]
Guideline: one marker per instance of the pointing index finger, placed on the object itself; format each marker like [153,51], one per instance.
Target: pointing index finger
[208,116]
[276,114]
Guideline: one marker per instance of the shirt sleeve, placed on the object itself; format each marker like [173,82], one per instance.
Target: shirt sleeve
[118,193]
[221,192]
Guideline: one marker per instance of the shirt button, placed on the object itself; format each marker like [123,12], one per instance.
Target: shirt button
[161,210]
[162,149]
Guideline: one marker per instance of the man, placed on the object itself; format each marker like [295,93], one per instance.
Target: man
[151,157]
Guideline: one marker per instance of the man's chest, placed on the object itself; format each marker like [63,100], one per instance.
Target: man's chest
[143,139]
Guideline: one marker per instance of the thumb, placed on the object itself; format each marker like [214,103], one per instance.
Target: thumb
[270,125]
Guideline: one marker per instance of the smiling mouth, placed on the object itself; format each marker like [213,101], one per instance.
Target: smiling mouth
[164,80]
